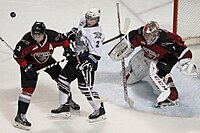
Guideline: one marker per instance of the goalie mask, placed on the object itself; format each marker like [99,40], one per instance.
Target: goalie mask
[151,32]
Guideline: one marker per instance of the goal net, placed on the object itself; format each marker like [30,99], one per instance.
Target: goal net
[186,23]
[186,20]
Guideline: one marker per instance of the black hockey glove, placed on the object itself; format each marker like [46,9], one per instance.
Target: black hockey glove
[71,35]
[30,71]
[68,53]
[85,66]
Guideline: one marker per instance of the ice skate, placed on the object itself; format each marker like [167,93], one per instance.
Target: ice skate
[61,112]
[98,115]
[73,105]
[21,122]
[167,103]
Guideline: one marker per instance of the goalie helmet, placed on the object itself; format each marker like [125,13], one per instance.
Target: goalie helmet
[38,28]
[151,32]
[93,13]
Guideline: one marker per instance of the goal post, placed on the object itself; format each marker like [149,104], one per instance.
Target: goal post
[186,20]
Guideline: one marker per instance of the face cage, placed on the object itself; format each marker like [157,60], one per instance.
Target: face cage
[88,17]
[150,38]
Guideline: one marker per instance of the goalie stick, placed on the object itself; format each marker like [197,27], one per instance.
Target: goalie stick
[114,38]
[127,23]
[85,79]
[125,29]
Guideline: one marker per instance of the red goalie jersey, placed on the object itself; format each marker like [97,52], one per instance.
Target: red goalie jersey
[163,44]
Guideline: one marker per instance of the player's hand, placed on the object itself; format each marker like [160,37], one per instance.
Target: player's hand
[68,53]
[30,71]
[85,66]
[71,35]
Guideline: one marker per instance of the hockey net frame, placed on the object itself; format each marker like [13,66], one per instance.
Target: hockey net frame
[180,10]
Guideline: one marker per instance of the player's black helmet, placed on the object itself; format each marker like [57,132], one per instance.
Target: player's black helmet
[38,28]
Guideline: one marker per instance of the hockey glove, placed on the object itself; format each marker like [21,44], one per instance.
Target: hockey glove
[188,67]
[71,35]
[30,71]
[68,53]
[85,66]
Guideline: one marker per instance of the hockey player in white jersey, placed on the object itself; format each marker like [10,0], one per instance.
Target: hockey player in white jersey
[87,41]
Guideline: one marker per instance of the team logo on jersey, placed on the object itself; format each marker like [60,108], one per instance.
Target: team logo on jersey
[42,57]
[26,42]
[57,37]
[149,53]
[166,44]
[97,35]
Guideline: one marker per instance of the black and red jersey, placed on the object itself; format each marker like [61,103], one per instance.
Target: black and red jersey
[28,51]
[167,43]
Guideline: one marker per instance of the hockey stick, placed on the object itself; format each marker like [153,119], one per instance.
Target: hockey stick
[6,43]
[49,66]
[114,38]
[52,65]
[85,79]
[126,97]
[125,29]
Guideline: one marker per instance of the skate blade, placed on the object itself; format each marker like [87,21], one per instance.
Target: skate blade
[75,111]
[64,115]
[100,118]
[20,126]
[165,106]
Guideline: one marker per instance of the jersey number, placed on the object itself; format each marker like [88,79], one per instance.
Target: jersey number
[97,44]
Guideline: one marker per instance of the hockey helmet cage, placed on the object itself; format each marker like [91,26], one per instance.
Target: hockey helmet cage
[38,28]
[93,13]
[151,32]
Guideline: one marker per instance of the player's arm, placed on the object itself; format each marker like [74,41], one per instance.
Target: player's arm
[20,52]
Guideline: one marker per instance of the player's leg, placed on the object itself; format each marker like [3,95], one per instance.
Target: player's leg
[67,75]
[28,87]
[85,88]
[168,92]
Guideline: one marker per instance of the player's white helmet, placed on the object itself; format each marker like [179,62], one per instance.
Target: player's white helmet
[93,13]
[151,32]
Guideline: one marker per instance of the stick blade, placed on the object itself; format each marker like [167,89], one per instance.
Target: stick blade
[126,25]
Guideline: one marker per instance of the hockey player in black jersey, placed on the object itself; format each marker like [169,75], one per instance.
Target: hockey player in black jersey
[34,52]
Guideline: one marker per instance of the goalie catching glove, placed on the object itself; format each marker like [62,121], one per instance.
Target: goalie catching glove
[188,67]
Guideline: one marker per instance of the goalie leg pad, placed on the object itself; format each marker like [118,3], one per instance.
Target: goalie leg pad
[138,67]
[161,86]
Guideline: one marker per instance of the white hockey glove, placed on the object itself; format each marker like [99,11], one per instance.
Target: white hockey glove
[86,65]
[188,67]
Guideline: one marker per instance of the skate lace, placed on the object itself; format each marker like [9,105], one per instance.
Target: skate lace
[96,112]
[23,117]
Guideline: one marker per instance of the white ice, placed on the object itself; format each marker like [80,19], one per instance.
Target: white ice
[62,15]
